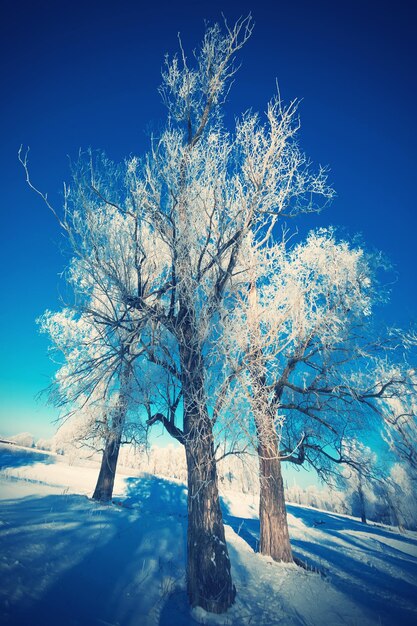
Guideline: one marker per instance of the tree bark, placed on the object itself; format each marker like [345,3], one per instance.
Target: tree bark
[274,536]
[209,580]
[105,483]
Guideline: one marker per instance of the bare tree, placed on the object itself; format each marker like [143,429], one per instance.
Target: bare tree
[359,474]
[92,387]
[209,194]
[100,334]
[297,341]
[397,403]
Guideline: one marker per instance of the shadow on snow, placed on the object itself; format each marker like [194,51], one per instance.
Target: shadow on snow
[76,563]
[72,562]
[362,569]
[18,457]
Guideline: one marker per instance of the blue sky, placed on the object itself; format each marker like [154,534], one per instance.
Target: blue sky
[77,74]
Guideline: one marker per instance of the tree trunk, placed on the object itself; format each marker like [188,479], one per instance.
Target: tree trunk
[105,482]
[209,580]
[274,536]
[274,539]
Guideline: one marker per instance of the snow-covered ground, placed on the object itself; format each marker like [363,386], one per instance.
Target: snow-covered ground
[64,560]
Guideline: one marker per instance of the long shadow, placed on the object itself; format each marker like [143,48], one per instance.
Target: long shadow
[248,529]
[77,563]
[372,587]
[351,532]
[153,494]
[17,457]
[95,565]
[367,585]
[315,518]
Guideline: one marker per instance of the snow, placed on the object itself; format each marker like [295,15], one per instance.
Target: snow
[402,545]
[67,560]
[53,469]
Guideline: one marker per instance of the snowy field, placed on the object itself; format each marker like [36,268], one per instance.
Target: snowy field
[66,560]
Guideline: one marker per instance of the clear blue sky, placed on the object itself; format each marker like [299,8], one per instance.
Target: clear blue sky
[78,74]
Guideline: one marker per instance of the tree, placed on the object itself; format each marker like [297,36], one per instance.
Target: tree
[104,488]
[398,406]
[211,194]
[358,473]
[93,386]
[99,335]
[316,373]
[295,341]
[25,440]
[401,497]
[44,444]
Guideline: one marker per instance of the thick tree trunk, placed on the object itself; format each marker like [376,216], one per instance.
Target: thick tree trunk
[209,580]
[274,536]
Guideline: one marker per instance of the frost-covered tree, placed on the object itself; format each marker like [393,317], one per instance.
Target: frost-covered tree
[44,444]
[92,388]
[401,497]
[358,475]
[395,385]
[101,335]
[295,341]
[210,194]
[25,440]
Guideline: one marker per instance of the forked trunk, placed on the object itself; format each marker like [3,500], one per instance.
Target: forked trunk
[274,536]
[209,580]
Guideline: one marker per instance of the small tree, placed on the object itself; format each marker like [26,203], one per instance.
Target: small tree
[100,335]
[398,407]
[401,497]
[358,474]
[93,386]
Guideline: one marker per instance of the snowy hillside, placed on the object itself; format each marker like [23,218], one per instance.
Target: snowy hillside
[69,561]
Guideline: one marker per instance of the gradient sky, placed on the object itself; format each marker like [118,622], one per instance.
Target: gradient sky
[79,74]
